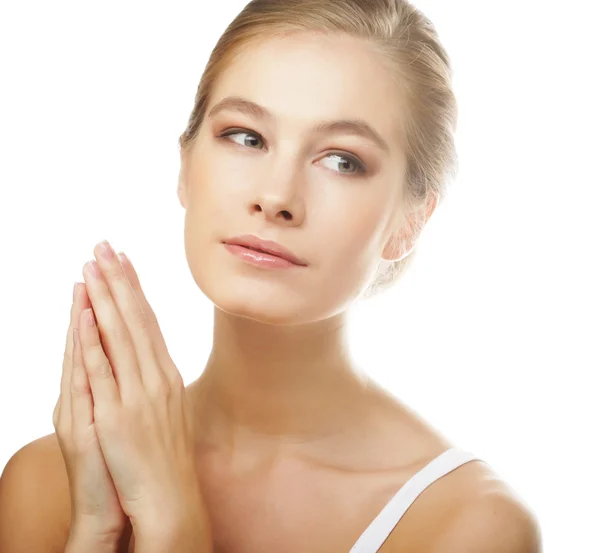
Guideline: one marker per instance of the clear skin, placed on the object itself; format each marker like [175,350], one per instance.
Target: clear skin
[95,506]
[279,374]
[279,377]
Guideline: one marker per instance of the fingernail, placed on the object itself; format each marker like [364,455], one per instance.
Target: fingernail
[106,250]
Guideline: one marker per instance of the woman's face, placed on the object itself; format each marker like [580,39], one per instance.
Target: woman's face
[331,196]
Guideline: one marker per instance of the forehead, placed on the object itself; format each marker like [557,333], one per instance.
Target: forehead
[305,77]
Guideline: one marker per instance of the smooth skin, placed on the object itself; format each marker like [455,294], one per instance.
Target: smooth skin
[142,414]
[94,499]
[297,448]
[280,376]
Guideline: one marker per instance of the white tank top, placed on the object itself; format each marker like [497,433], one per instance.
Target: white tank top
[377,532]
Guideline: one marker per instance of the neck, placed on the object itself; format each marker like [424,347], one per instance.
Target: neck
[278,385]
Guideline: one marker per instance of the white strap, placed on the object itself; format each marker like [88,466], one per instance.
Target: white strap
[381,527]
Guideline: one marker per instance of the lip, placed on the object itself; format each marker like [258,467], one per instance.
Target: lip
[265,246]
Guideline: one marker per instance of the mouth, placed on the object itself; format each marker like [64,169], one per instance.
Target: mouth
[269,249]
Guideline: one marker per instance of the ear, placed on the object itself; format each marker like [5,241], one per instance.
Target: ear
[403,241]
[397,248]
[182,182]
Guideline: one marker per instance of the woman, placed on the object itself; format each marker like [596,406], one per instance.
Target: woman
[319,145]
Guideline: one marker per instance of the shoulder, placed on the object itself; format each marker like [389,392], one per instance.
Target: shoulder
[35,505]
[493,522]
[469,510]
[42,460]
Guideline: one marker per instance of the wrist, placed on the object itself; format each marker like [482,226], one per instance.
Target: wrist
[181,543]
[186,532]
[86,539]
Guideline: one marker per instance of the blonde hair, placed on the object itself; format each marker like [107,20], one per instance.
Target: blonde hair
[418,62]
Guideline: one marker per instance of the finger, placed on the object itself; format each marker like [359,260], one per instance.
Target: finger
[116,340]
[105,393]
[158,341]
[82,403]
[80,302]
[104,347]
[133,316]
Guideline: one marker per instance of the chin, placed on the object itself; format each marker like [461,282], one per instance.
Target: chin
[268,297]
[261,303]
[268,301]
[260,314]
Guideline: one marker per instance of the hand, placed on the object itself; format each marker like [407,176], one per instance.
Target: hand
[142,415]
[95,506]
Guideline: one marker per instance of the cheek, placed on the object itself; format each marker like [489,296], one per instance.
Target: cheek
[211,190]
[357,239]
[223,185]
[351,254]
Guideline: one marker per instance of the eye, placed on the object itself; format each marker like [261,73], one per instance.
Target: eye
[236,132]
[345,159]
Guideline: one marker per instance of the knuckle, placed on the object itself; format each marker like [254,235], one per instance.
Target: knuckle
[143,322]
[159,388]
[133,400]
[79,387]
[115,273]
[101,369]
[84,439]
[115,426]
[106,417]
[120,333]
[177,383]
[139,316]
[67,360]
[101,411]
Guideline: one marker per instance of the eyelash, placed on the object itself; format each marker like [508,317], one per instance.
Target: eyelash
[360,168]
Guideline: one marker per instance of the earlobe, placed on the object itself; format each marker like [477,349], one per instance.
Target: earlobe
[431,205]
[403,242]
[181,180]
[181,188]
[401,239]
[397,248]
[181,193]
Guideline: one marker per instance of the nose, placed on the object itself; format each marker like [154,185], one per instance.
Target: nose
[281,202]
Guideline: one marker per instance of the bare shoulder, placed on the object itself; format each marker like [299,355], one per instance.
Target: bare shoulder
[472,510]
[35,507]
[495,520]
[469,509]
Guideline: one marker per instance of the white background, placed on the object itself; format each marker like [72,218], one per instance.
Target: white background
[492,336]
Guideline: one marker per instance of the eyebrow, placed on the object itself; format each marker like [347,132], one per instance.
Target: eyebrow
[356,127]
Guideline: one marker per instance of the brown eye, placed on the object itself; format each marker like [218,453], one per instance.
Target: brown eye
[249,142]
[350,165]
[346,163]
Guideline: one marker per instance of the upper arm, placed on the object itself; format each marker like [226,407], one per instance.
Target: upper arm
[32,501]
[496,522]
